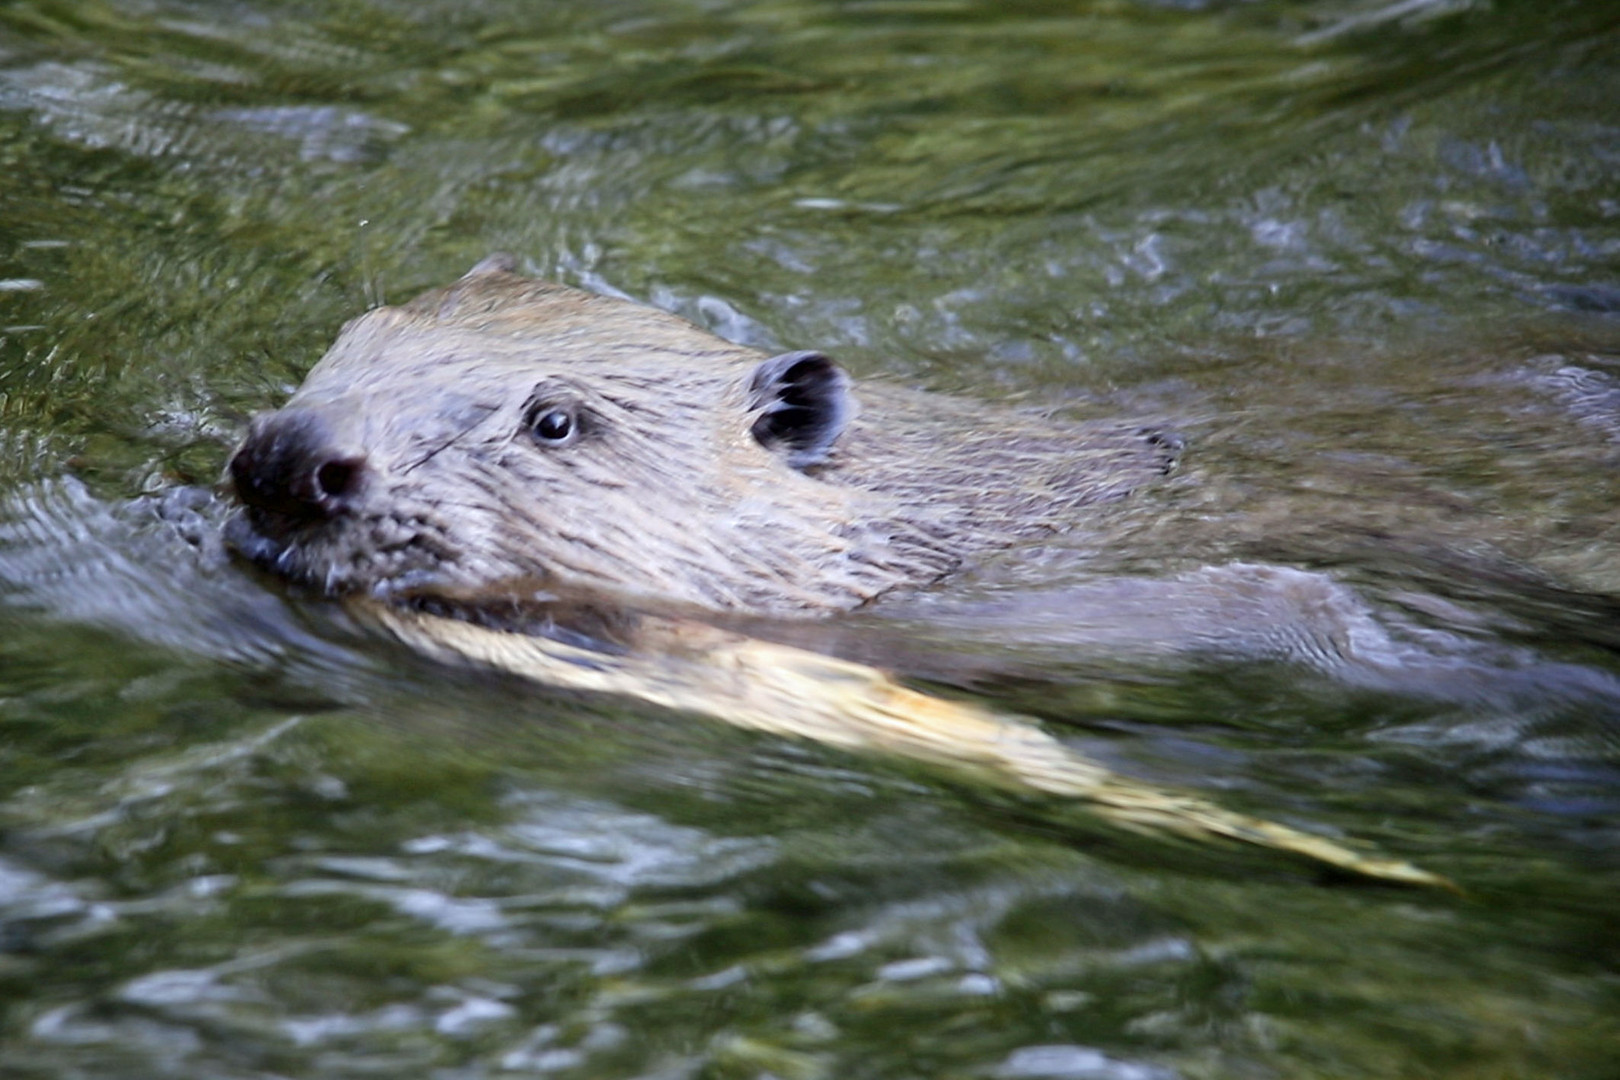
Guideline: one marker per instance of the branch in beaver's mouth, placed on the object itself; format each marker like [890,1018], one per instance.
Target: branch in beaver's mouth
[586,626]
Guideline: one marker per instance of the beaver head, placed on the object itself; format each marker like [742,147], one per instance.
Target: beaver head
[507,436]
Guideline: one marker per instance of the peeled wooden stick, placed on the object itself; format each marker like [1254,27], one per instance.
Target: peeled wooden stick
[789,691]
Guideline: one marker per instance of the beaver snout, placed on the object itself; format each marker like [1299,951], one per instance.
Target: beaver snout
[292,464]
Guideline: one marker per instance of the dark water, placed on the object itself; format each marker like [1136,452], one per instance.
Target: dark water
[1366,255]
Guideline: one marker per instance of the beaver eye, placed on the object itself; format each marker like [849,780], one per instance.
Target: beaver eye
[552,425]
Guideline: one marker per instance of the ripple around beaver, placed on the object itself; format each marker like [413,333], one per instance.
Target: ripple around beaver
[505,514]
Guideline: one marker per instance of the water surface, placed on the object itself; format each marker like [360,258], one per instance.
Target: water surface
[1365,255]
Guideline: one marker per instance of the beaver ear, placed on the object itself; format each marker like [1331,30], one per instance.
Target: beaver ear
[497,262]
[804,403]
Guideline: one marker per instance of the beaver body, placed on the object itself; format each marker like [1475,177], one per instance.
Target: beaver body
[506,435]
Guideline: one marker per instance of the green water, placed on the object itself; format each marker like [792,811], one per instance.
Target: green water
[1364,254]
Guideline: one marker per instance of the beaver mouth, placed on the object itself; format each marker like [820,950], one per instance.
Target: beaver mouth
[298,550]
[383,556]
[257,535]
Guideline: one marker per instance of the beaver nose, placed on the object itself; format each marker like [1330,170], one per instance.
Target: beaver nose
[291,464]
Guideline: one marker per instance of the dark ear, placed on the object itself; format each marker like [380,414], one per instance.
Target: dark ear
[804,403]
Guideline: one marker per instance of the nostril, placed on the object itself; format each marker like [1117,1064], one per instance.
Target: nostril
[291,464]
[337,478]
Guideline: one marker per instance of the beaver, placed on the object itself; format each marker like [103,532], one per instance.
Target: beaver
[503,441]
[505,435]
